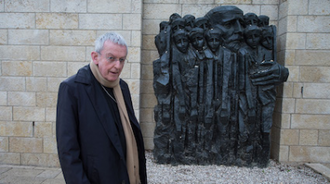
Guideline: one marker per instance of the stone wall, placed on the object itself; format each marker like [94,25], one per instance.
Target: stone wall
[302,132]
[42,42]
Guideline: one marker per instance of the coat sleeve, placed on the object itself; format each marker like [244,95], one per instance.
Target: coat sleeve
[67,136]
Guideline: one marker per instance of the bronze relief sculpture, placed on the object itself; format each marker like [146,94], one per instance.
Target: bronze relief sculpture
[215,83]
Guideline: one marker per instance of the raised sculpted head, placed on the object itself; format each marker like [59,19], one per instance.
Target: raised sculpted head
[196,37]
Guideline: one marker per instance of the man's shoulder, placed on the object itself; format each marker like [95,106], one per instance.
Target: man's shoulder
[80,77]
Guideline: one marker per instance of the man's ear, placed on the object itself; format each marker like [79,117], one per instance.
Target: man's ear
[95,56]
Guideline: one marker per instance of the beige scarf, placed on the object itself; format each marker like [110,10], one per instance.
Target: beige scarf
[132,160]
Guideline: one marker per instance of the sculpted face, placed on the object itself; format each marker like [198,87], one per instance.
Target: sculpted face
[181,41]
[197,38]
[251,19]
[252,36]
[267,38]
[213,39]
[230,21]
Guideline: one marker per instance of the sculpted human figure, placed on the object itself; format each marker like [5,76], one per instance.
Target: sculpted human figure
[215,87]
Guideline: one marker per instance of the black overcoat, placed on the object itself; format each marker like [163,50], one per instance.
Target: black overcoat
[88,143]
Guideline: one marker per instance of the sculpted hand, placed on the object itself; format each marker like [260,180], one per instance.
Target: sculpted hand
[269,73]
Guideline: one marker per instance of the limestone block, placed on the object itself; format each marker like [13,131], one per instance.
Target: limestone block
[3,144]
[19,129]
[319,7]
[147,115]
[265,2]
[29,37]
[40,159]
[287,24]
[17,68]
[134,55]
[9,52]
[77,6]
[3,98]
[148,129]
[270,10]
[150,26]
[46,99]
[285,89]
[100,21]
[22,98]
[313,57]
[134,86]
[324,138]
[49,69]
[303,121]
[198,10]
[36,83]
[317,90]
[25,145]
[289,137]
[313,106]
[285,105]
[136,39]
[63,53]
[54,83]
[50,145]
[27,6]
[198,1]
[284,154]
[56,21]
[5,113]
[3,37]
[281,120]
[318,41]
[43,129]
[298,7]
[309,154]
[28,114]
[308,137]
[2,7]
[136,6]
[250,8]
[147,87]
[315,74]
[10,158]
[164,11]
[126,72]
[132,22]
[275,135]
[3,128]
[73,67]
[148,42]
[137,114]
[313,24]
[148,56]
[295,40]
[51,114]
[148,143]
[148,100]
[136,102]
[234,1]
[72,37]
[298,90]
[135,70]
[12,83]
[161,1]
[17,20]
[147,72]
[283,10]
[123,6]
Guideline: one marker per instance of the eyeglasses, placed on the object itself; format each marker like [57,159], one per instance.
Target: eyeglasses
[113,59]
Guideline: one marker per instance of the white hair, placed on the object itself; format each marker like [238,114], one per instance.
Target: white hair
[110,36]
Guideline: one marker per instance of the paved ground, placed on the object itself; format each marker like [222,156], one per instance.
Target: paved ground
[10,174]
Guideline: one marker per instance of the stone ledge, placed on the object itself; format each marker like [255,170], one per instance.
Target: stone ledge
[320,168]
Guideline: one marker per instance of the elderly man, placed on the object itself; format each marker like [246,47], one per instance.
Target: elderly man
[98,136]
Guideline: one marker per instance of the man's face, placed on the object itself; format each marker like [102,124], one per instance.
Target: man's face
[231,24]
[110,60]
[181,42]
[213,42]
[252,38]
[198,41]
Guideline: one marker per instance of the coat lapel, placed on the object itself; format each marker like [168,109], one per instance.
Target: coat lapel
[93,91]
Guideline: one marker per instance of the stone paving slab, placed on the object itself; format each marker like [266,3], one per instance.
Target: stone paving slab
[30,175]
[323,169]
